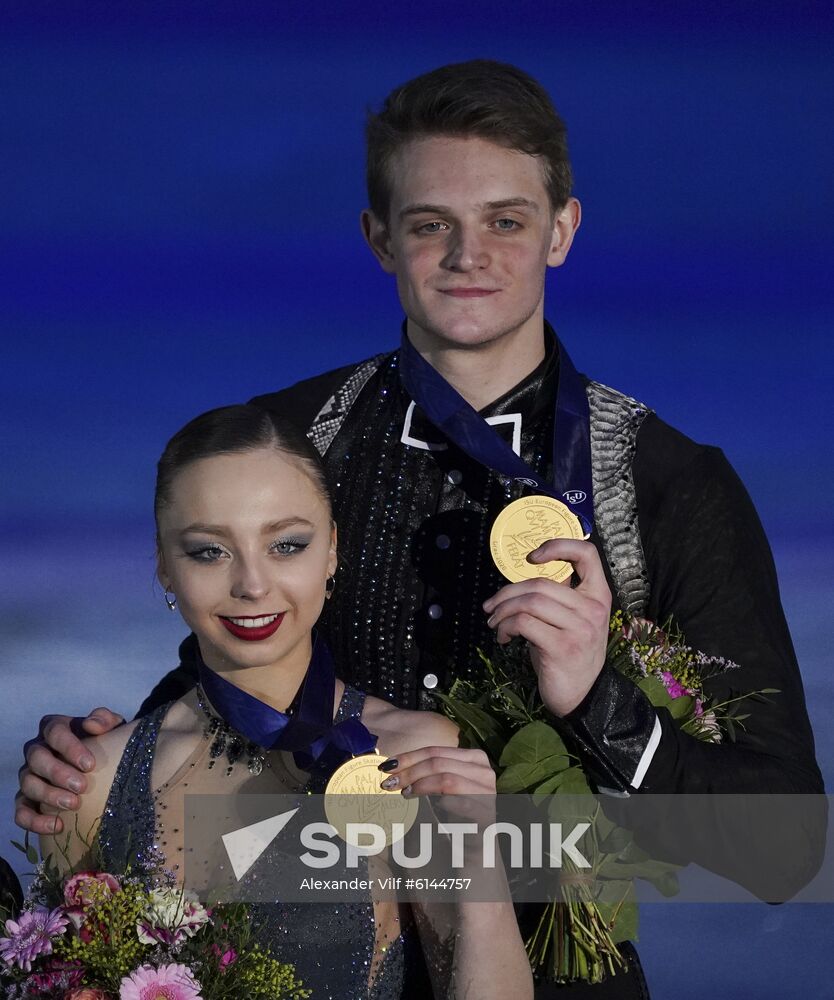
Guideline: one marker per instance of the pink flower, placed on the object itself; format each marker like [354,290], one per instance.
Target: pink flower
[640,629]
[31,935]
[89,887]
[227,957]
[85,993]
[673,685]
[168,982]
[56,974]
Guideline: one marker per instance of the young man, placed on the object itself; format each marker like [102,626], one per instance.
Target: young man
[470,201]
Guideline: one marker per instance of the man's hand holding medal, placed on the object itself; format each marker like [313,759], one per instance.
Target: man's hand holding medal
[565,625]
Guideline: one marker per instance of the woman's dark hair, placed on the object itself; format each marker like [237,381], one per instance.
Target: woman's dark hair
[483,98]
[227,431]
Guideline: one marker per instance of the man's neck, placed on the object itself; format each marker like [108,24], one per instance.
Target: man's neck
[485,372]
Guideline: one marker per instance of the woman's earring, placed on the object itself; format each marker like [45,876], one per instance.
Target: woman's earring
[329,587]
[170,601]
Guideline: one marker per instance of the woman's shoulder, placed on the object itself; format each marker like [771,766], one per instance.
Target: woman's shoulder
[108,748]
[167,722]
[170,724]
[107,751]
[400,729]
[79,827]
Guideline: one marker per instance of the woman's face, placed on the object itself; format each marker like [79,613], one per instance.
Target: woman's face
[246,545]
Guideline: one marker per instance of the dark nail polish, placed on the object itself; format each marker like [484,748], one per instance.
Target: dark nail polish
[389,765]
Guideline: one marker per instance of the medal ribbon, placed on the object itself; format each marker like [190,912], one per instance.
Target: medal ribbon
[449,412]
[316,742]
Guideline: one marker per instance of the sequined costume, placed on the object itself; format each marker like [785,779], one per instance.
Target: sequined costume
[332,948]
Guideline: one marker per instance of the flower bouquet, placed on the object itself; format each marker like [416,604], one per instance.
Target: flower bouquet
[577,935]
[93,935]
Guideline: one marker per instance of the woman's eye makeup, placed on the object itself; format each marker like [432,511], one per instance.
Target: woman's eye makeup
[289,546]
[206,552]
[209,552]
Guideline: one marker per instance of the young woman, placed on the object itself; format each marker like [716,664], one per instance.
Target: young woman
[247,554]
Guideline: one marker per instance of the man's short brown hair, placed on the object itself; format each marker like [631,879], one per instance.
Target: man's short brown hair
[491,100]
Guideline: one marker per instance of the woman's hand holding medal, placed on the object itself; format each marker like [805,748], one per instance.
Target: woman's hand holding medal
[440,770]
[461,783]
[566,627]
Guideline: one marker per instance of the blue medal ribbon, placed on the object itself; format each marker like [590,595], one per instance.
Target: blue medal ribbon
[309,733]
[450,413]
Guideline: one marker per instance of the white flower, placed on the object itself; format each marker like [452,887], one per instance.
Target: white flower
[711,730]
[171,916]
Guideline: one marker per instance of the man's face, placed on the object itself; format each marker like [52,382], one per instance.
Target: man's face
[470,234]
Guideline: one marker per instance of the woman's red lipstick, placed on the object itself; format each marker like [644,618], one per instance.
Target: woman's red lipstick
[252,633]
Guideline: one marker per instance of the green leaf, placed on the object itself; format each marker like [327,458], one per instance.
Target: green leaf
[654,690]
[484,726]
[622,916]
[604,826]
[535,742]
[580,806]
[19,846]
[681,708]
[548,787]
[32,855]
[616,840]
[519,777]
[666,884]
[481,721]
[632,852]
[574,782]
[656,872]
[513,698]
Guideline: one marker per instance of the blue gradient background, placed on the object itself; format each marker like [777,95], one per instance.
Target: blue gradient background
[180,191]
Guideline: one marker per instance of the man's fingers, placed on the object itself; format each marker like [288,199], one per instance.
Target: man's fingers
[553,611]
[37,792]
[580,614]
[540,585]
[536,632]
[28,818]
[101,720]
[57,734]
[583,556]
[49,720]
[42,763]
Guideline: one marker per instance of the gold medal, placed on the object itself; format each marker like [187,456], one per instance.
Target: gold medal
[353,795]
[525,525]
